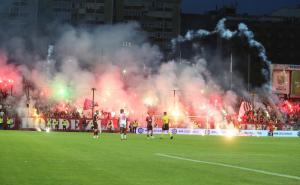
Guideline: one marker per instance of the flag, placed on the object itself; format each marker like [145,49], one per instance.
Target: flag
[88,104]
[245,107]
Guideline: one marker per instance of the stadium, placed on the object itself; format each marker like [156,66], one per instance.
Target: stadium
[106,105]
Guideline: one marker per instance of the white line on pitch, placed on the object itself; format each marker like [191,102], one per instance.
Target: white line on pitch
[230,166]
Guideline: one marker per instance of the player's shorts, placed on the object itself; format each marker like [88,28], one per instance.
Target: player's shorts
[149,127]
[165,127]
[122,129]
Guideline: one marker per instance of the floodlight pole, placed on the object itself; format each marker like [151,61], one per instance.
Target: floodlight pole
[27,89]
[93,102]
[253,99]
[11,90]
[174,97]
[248,80]
[231,70]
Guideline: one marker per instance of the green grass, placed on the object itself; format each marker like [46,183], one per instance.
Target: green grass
[39,158]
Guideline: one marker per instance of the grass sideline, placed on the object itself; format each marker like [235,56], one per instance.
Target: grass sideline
[65,158]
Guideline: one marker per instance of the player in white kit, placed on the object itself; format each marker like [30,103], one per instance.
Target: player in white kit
[122,124]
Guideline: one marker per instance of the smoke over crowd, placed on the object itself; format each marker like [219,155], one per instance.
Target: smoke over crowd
[126,70]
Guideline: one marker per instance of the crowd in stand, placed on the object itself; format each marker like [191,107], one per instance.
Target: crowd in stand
[285,117]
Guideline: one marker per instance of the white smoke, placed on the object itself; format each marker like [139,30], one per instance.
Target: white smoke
[223,32]
[124,77]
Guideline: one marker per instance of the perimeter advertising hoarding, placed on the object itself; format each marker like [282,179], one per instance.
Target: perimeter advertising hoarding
[223,132]
[295,83]
[281,81]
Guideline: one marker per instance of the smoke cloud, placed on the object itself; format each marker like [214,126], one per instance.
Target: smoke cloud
[127,72]
[225,33]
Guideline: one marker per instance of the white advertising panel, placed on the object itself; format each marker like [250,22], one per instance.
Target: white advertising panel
[223,132]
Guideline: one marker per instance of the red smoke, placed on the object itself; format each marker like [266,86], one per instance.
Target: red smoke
[10,78]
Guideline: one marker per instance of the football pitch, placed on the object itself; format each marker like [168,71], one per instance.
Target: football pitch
[65,158]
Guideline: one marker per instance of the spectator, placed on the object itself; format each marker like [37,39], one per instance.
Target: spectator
[109,126]
[56,124]
[271,129]
[131,127]
[1,122]
[135,125]
[84,123]
[64,124]
[10,123]
[76,124]
[49,123]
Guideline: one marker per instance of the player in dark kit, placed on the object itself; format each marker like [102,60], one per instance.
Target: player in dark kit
[149,120]
[95,126]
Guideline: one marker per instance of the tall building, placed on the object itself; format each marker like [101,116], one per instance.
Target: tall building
[159,18]
[18,14]
[76,12]
[92,12]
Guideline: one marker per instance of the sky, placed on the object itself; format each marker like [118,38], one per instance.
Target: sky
[253,7]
